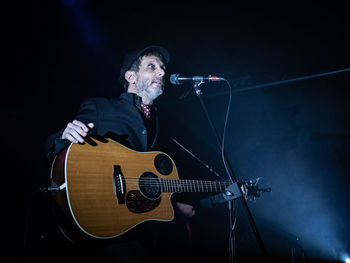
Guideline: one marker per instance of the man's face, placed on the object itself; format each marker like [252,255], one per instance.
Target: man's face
[150,77]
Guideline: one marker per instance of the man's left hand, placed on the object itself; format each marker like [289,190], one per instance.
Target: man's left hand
[186,209]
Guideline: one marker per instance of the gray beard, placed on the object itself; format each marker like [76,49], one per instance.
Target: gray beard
[145,90]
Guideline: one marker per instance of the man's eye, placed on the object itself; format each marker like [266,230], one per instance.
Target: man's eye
[152,66]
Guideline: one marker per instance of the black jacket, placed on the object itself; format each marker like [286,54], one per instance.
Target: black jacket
[121,119]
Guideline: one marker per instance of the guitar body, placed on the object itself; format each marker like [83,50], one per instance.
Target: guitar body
[108,188]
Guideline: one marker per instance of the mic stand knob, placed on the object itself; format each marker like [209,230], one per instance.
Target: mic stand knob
[196,85]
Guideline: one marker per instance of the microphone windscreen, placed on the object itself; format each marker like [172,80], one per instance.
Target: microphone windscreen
[174,79]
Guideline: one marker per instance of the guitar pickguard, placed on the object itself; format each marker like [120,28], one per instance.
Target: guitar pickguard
[136,202]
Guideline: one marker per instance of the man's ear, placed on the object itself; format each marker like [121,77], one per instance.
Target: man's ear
[130,76]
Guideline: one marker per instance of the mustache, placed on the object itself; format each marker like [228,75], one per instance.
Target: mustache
[158,80]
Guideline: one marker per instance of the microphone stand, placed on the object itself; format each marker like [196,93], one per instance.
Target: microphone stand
[234,180]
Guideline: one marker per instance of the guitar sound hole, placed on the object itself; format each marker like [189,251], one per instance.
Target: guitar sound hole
[149,185]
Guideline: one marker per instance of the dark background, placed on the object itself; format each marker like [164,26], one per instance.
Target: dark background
[294,135]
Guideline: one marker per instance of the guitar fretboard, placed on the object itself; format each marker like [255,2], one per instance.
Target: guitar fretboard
[181,186]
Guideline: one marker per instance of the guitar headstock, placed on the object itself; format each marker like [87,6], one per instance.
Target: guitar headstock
[251,189]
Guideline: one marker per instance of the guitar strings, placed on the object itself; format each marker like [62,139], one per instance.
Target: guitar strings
[174,181]
[177,184]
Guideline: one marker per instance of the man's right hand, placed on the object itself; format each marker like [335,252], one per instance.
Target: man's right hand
[76,131]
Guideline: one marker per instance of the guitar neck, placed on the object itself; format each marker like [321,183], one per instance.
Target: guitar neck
[186,186]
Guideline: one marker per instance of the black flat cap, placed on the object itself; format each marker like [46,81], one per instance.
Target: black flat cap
[130,57]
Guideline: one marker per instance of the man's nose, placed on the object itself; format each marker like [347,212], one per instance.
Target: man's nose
[160,72]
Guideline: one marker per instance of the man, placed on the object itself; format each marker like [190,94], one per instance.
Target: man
[130,119]
[131,115]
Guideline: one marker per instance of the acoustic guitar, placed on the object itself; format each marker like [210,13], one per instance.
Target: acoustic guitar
[108,188]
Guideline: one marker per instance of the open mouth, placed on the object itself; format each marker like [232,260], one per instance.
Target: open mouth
[158,82]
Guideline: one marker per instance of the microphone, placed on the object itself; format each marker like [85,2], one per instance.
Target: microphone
[176,79]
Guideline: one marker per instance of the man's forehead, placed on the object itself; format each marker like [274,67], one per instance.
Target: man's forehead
[152,58]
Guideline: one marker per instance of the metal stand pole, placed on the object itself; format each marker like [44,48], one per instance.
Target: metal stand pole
[234,180]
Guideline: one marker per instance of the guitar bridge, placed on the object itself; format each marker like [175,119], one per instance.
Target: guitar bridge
[119,184]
